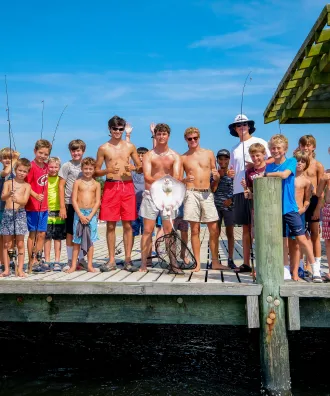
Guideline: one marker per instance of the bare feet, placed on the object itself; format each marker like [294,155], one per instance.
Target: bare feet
[91,269]
[72,269]
[217,266]
[197,269]
[4,274]
[21,274]
[143,268]
[185,260]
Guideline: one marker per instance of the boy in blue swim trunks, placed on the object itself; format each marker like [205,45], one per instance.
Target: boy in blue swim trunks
[285,168]
[86,200]
[37,205]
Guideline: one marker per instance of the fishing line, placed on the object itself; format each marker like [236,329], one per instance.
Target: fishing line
[42,118]
[11,252]
[249,204]
[38,254]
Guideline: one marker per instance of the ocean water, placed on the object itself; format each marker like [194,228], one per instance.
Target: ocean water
[130,359]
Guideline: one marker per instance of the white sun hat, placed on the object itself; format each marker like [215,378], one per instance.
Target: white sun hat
[238,119]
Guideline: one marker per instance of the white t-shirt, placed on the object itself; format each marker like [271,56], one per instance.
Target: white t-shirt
[237,160]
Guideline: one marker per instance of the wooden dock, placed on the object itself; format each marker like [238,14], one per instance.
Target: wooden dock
[208,296]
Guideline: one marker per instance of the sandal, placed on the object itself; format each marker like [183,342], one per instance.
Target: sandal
[108,267]
[57,267]
[243,268]
[39,269]
[130,267]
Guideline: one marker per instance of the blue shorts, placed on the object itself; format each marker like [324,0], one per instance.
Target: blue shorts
[292,225]
[92,226]
[37,221]
[1,215]
[137,226]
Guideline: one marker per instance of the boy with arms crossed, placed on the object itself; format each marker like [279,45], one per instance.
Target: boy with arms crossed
[37,205]
[118,200]
[86,199]
[314,173]
[16,194]
[199,207]
[286,170]
[69,173]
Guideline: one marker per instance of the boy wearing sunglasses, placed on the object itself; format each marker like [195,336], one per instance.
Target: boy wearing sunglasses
[199,207]
[118,199]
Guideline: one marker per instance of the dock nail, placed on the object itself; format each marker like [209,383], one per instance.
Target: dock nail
[179,300]
[49,299]
[269,299]
[277,302]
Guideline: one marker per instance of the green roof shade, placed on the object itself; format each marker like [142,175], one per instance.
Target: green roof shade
[303,95]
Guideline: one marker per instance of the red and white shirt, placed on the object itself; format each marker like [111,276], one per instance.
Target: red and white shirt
[38,179]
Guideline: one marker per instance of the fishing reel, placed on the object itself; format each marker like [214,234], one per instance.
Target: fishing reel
[37,255]
[118,251]
[12,254]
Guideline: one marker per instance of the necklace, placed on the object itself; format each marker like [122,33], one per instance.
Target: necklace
[162,154]
[88,184]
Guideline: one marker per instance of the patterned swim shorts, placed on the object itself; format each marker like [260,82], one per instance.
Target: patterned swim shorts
[326,222]
[7,224]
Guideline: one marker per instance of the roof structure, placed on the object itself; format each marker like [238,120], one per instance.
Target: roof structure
[303,95]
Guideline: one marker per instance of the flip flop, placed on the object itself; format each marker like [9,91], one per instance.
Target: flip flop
[130,267]
[243,268]
[326,278]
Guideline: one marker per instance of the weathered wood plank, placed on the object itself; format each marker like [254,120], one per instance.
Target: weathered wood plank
[152,275]
[85,277]
[165,277]
[181,278]
[214,276]
[118,276]
[198,277]
[305,290]
[252,311]
[139,288]
[293,313]
[118,309]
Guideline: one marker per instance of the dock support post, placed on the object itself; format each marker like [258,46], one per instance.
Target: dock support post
[274,349]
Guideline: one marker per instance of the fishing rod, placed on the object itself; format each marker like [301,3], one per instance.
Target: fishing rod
[38,254]
[249,208]
[12,252]
[42,118]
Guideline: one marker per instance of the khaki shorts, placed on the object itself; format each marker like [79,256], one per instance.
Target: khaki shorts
[148,209]
[199,207]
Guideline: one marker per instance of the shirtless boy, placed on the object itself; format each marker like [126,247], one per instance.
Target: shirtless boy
[314,173]
[86,199]
[303,191]
[157,163]
[199,207]
[118,200]
[16,194]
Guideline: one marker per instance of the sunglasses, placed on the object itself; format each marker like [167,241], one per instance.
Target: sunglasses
[121,129]
[193,138]
[239,124]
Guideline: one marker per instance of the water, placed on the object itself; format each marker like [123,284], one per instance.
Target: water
[130,359]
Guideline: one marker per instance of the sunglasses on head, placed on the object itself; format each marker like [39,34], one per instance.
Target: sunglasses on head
[239,124]
[118,128]
[193,138]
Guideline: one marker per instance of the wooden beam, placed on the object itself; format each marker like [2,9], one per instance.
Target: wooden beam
[123,309]
[293,313]
[128,288]
[305,290]
[323,36]
[301,93]
[252,311]
[324,65]
[309,62]
[319,49]
[301,74]
[305,113]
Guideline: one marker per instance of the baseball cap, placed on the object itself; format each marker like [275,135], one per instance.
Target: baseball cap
[223,153]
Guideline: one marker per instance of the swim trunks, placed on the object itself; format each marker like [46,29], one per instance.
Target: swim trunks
[199,206]
[7,224]
[148,209]
[326,221]
[118,201]
[92,226]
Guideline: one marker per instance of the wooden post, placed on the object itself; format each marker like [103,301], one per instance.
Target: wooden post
[274,349]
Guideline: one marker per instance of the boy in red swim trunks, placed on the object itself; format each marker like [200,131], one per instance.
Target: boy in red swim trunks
[118,200]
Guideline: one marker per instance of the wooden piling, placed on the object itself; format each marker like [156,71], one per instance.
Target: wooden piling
[274,350]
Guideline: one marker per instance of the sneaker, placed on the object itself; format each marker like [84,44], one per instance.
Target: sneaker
[57,267]
[287,273]
[301,273]
[317,278]
[231,264]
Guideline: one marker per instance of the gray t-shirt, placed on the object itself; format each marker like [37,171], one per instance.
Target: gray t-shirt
[70,172]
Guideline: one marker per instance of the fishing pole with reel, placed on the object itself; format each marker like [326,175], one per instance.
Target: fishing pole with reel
[38,254]
[12,252]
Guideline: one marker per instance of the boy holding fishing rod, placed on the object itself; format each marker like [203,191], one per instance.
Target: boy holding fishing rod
[13,226]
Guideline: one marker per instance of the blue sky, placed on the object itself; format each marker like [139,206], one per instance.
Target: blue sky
[180,62]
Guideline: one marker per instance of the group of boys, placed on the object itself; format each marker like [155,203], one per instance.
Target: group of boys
[59,203]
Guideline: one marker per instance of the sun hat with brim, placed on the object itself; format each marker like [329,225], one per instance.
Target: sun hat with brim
[239,119]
